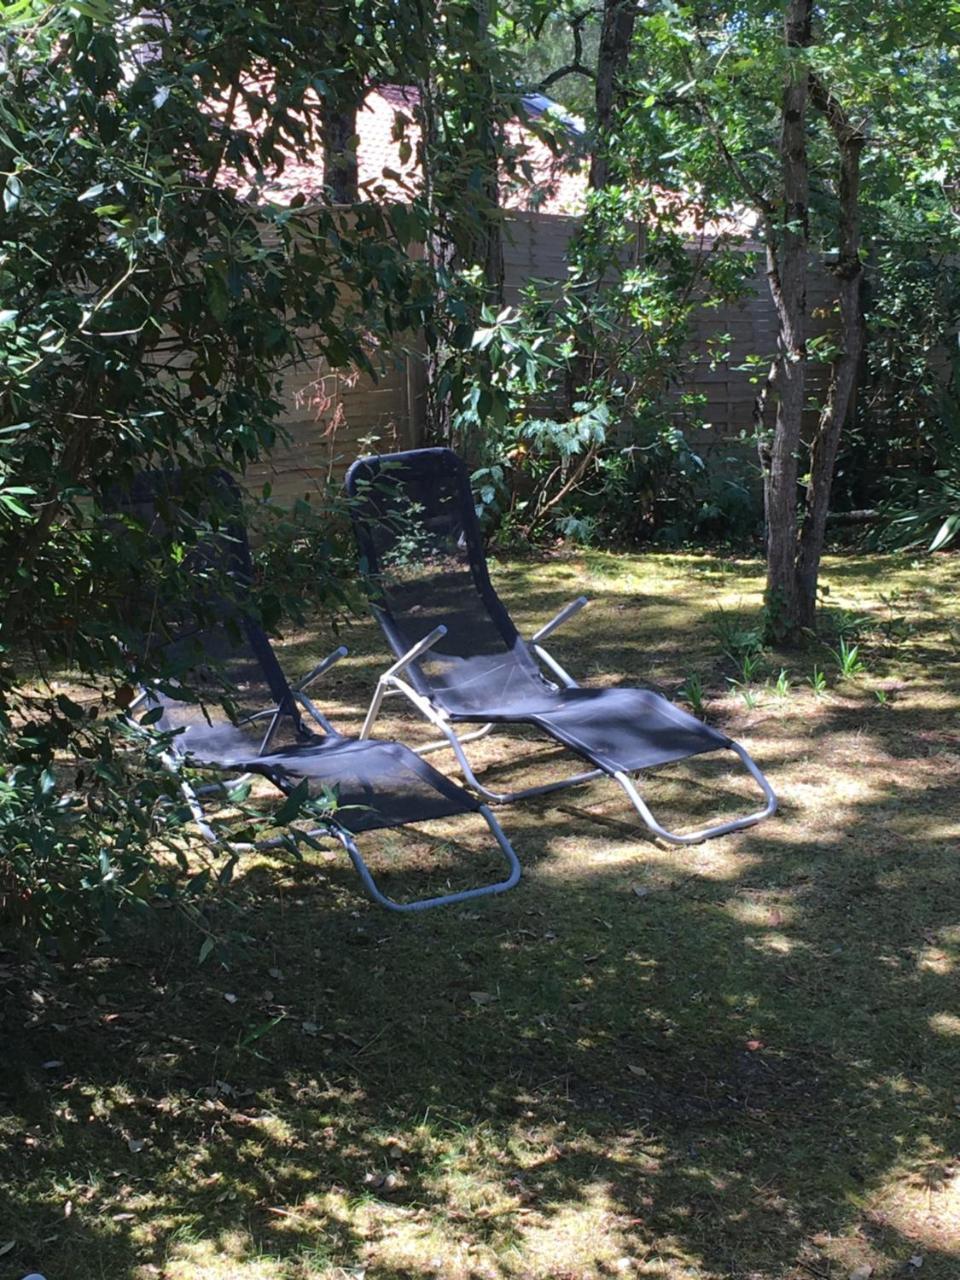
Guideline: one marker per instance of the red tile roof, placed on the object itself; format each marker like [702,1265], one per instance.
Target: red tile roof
[546,183]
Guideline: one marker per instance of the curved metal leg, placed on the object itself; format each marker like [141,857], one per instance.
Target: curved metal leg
[446,899]
[705,833]
[499,797]
[216,840]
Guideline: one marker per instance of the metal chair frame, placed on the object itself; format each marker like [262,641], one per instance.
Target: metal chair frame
[392,682]
[174,761]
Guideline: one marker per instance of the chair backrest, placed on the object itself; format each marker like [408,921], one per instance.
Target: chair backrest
[212,645]
[422,549]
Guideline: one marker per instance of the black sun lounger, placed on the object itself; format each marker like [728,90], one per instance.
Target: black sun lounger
[243,718]
[461,661]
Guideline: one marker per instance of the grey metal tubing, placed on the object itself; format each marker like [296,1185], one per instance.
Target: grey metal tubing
[705,833]
[565,614]
[320,668]
[315,713]
[415,651]
[349,844]
[211,837]
[171,764]
[271,730]
[446,899]
[426,708]
[508,797]
[550,661]
[445,745]
[390,676]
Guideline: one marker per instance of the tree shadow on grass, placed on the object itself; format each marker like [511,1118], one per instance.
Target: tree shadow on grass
[725,1074]
[733,1061]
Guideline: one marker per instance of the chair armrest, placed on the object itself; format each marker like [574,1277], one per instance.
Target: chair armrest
[320,668]
[565,614]
[416,651]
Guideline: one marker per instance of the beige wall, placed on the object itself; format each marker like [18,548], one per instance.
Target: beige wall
[328,417]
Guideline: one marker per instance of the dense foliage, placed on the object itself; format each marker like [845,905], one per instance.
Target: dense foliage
[152,297]
[579,429]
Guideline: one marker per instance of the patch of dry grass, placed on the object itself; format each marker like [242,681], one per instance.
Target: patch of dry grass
[734,1061]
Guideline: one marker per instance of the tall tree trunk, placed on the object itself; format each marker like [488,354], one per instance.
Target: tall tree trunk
[616,33]
[338,122]
[787,273]
[843,376]
[489,248]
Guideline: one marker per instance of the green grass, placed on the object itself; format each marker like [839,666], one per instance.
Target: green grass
[738,1060]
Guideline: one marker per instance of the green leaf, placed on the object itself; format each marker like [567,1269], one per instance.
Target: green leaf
[12,191]
[69,708]
[946,533]
[218,298]
[290,809]
[13,505]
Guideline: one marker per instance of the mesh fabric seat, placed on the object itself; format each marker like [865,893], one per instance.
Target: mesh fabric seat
[230,708]
[462,660]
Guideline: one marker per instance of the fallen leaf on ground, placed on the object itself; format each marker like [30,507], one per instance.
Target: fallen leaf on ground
[136,1145]
[230,997]
[482,997]
[6,1247]
[862,1273]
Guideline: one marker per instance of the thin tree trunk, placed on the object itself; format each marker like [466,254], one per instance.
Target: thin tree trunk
[787,273]
[616,32]
[338,118]
[489,250]
[843,376]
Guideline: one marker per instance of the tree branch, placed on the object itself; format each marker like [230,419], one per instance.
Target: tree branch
[571,70]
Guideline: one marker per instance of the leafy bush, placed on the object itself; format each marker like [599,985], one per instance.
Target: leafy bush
[901,450]
[921,514]
[573,409]
[151,301]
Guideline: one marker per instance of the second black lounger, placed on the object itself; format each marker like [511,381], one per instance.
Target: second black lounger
[235,714]
[462,661]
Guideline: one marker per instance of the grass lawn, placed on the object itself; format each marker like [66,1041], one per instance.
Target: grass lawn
[737,1060]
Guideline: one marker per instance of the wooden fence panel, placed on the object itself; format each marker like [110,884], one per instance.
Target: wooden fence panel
[329,417]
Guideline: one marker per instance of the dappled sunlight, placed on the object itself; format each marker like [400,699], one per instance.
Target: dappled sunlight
[945,1024]
[936,960]
[737,1058]
[923,1205]
[227,1258]
[760,914]
[777,944]
[910,1222]
[575,1237]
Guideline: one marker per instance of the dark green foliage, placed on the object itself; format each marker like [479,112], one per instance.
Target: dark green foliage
[578,424]
[907,425]
[152,298]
